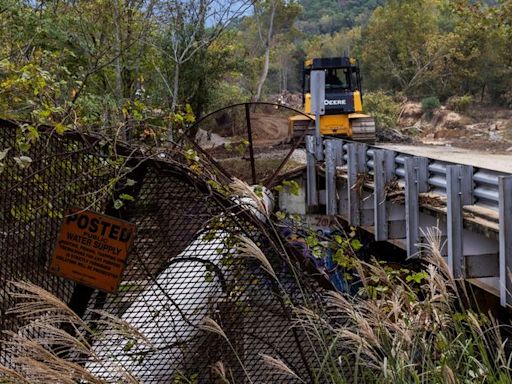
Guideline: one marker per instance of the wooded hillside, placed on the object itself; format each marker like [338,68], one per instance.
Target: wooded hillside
[139,67]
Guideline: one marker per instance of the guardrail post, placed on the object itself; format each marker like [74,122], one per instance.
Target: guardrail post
[389,165]
[361,157]
[384,162]
[455,220]
[459,192]
[330,178]
[353,198]
[466,185]
[505,202]
[379,201]
[356,165]
[338,151]
[319,148]
[312,192]
[343,190]
[416,182]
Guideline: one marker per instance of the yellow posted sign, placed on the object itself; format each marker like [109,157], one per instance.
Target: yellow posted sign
[92,249]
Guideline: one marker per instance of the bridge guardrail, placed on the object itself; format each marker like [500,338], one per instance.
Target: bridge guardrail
[459,186]
[485,181]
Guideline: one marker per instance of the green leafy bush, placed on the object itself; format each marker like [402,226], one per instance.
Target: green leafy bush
[429,105]
[459,103]
[227,94]
[383,108]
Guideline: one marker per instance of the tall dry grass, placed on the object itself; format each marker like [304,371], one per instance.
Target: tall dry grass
[421,334]
[392,331]
[412,331]
[56,345]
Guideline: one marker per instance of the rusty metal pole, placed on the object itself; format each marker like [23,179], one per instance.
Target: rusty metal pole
[268,182]
[251,149]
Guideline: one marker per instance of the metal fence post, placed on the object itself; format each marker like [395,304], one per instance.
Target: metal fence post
[312,194]
[505,203]
[251,147]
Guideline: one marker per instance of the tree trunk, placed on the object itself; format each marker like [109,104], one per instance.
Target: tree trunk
[263,75]
[117,48]
[117,63]
[175,87]
[267,42]
[174,101]
[127,72]
[284,77]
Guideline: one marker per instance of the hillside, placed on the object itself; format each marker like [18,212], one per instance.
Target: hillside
[330,16]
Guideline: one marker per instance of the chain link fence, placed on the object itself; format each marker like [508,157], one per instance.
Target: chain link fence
[184,265]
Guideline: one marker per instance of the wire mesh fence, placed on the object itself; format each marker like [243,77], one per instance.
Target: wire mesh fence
[185,264]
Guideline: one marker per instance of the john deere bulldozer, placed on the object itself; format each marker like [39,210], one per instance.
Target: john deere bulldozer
[343,103]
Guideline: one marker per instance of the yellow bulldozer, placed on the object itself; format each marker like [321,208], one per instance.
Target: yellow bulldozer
[342,102]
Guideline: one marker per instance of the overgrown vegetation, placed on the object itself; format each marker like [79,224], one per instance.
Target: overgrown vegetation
[397,325]
[130,68]
[429,105]
[404,327]
[383,108]
[460,103]
[142,70]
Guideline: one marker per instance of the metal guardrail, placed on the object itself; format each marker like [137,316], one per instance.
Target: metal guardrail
[460,186]
[485,181]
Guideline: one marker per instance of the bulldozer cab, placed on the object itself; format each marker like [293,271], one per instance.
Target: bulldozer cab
[333,79]
[343,105]
[342,79]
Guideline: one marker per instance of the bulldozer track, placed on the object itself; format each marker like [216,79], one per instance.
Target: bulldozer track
[363,130]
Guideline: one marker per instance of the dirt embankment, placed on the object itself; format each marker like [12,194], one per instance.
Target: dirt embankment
[479,128]
[269,128]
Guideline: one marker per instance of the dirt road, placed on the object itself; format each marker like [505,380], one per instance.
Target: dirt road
[497,162]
